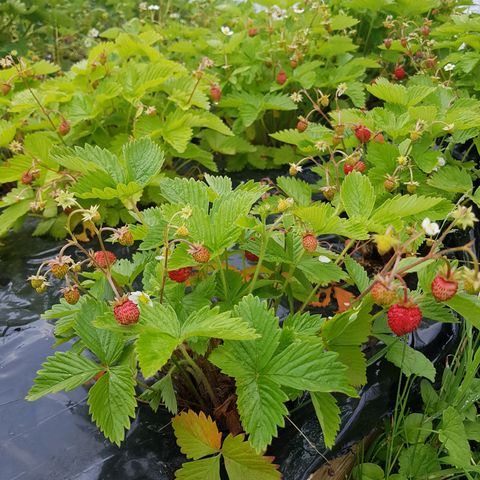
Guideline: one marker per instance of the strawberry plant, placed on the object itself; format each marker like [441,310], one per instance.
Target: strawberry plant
[203,333]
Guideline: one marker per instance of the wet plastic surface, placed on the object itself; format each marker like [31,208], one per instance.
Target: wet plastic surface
[54,438]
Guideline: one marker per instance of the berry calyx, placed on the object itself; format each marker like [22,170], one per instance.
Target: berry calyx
[215,92]
[251,256]
[125,311]
[281,77]
[63,128]
[328,192]
[444,287]
[302,124]
[399,73]
[180,275]
[199,253]
[362,133]
[382,295]
[404,318]
[310,242]
[71,294]
[104,259]
[124,236]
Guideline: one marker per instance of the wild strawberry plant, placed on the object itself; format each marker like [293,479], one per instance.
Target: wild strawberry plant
[203,331]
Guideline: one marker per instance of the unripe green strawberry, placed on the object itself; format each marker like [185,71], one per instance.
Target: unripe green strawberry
[71,294]
[199,253]
[310,242]
[382,295]
[59,266]
[36,281]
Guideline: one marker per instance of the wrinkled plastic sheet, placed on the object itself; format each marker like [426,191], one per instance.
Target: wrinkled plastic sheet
[54,438]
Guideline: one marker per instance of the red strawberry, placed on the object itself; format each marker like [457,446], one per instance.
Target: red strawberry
[71,295]
[310,242]
[388,43]
[425,31]
[104,259]
[362,133]
[293,63]
[27,177]
[399,73]
[215,92]
[347,169]
[199,253]
[382,295]
[404,42]
[281,77]
[302,124]
[125,311]
[430,62]
[360,167]
[64,127]
[251,256]
[444,288]
[252,32]
[404,318]
[379,138]
[180,275]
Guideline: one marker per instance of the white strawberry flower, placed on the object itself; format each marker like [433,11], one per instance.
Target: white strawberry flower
[154,8]
[449,67]
[93,33]
[140,297]
[297,9]
[324,259]
[430,228]
[226,30]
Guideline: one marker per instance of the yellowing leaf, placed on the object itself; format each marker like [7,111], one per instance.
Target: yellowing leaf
[197,435]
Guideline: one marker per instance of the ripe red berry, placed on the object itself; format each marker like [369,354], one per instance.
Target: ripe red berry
[347,168]
[360,167]
[126,312]
[199,253]
[281,77]
[27,177]
[180,275]
[252,32]
[379,138]
[404,318]
[388,43]
[430,62]
[382,295]
[64,127]
[293,63]
[104,259]
[362,133]
[403,42]
[425,31]
[215,92]
[302,125]
[251,256]
[443,288]
[71,294]
[399,73]
[310,242]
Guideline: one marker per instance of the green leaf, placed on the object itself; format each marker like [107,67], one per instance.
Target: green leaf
[204,469]
[468,306]
[417,461]
[328,414]
[161,391]
[197,435]
[297,189]
[451,179]
[143,159]
[12,213]
[62,371]
[184,191]
[358,195]
[107,346]
[416,428]
[454,438]
[409,360]
[154,349]
[357,273]
[7,132]
[112,402]
[319,272]
[367,471]
[242,462]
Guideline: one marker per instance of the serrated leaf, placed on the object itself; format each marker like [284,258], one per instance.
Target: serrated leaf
[161,391]
[468,306]
[453,437]
[197,435]
[242,462]
[358,195]
[357,273]
[154,349]
[319,272]
[112,402]
[203,469]
[143,159]
[297,189]
[417,461]
[328,414]
[62,371]
[451,179]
